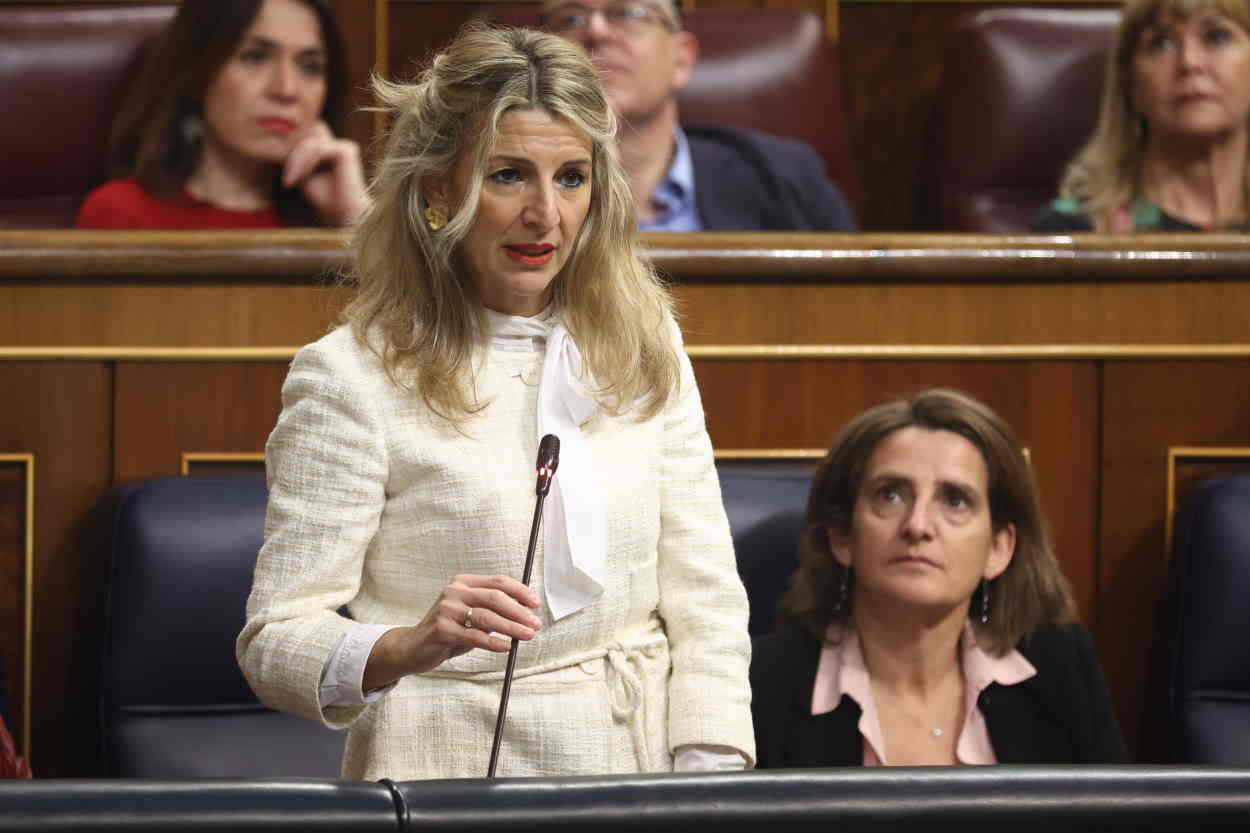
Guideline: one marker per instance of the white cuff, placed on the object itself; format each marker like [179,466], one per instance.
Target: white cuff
[706,758]
[342,679]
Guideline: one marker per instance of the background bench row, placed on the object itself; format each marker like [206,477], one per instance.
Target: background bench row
[930,116]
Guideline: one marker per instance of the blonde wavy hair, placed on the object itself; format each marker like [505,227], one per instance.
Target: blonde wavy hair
[417,308]
[1106,174]
[1031,591]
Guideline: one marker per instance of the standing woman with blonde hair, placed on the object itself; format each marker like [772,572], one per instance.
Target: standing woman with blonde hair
[1170,149]
[501,297]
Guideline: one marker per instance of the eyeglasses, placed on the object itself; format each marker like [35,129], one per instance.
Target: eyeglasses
[629,16]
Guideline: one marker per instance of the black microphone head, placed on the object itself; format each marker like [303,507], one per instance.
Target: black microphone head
[548,460]
[549,451]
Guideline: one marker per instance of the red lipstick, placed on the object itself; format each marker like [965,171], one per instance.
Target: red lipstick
[274,124]
[533,255]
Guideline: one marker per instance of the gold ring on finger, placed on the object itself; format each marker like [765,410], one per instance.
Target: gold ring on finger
[468,619]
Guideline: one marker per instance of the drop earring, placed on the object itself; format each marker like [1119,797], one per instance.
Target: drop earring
[985,602]
[191,130]
[435,217]
[842,592]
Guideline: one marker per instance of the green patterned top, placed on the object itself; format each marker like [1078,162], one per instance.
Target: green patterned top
[1065,214]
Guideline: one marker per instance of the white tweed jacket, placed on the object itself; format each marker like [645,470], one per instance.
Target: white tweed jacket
[375,503]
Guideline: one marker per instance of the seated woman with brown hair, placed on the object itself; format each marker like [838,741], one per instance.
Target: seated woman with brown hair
[233,125]
[1169,151]
[928,622]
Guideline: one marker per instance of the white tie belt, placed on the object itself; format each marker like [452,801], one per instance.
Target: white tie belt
[624,661]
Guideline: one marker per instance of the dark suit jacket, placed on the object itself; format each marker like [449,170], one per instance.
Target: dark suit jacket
[1062,715]
[746,180]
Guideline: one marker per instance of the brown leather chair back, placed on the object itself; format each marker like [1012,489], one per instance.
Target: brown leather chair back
[776,71]
[1019,97]
[773,70]
[63,73]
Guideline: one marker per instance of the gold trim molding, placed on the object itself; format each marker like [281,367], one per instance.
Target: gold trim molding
[706,352]
[769,453]
[153,354]
[966,351]
[28,598]
[1188,452]
[191,457]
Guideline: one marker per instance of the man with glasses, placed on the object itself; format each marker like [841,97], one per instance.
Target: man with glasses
[686,177]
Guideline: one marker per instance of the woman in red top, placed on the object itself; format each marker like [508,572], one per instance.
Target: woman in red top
[233,125]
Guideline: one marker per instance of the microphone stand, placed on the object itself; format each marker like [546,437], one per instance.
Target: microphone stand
[548,459]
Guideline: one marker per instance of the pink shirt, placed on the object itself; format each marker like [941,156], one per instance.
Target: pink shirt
[842,671]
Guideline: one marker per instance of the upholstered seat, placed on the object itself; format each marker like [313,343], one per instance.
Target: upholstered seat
[1205,625]
[773,70]
[767,511]
[182,551]
[1018,98]
[770,69]
[63,73]
[173,700]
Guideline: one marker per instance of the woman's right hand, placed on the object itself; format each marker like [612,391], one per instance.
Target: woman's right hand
[327,168]
[501,607]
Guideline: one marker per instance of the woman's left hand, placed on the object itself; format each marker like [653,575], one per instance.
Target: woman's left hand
[328,170]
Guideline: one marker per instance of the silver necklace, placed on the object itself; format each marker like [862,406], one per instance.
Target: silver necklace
[935,731]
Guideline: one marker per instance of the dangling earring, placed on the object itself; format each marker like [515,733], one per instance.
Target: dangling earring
[842,593]
[985,602]
[191,128]
[435,217]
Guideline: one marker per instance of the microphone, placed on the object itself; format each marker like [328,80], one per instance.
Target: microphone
[548,460]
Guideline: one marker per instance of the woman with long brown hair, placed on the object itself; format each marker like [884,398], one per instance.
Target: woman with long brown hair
[234,123]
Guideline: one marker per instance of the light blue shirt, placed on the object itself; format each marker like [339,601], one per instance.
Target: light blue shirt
[674,196]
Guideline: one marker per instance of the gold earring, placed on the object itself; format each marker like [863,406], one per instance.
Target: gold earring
[435,217]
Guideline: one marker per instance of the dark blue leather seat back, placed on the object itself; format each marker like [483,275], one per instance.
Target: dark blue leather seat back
[766,509]
[182,552]
[173,700]
[1206,625]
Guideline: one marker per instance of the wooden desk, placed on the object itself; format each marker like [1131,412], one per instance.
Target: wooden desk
[130,355]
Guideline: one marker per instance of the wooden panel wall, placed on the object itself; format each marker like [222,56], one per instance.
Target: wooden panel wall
[1102,357]
[364,27]
[58,413]
[1151,407]
[16,522]
[891,68]
[165,410]
[1054,407]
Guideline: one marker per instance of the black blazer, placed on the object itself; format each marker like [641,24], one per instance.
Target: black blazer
[746,180]
[1061,715]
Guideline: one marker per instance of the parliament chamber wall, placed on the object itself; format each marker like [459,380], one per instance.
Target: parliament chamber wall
[1122,363]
